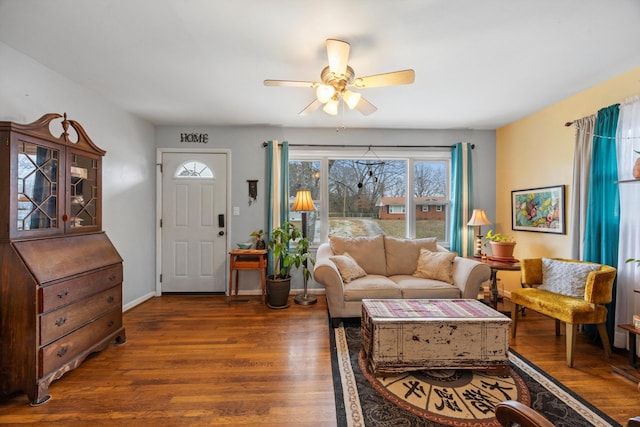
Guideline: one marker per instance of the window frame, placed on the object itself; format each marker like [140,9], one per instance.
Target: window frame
[410,156]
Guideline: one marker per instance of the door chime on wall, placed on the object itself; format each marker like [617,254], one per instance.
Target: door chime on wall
[369,163]
[253,190]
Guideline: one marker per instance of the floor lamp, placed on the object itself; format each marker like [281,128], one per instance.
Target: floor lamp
[478,219]
[304,203]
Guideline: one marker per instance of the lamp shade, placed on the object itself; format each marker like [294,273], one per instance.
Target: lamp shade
[479,218]
[324,93]
[303,201]
[351,98]
[331,107]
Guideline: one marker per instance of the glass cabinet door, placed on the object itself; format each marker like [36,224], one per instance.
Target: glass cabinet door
[38,178]
[83,192]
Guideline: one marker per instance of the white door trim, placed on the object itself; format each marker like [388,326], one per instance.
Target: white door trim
[159,153]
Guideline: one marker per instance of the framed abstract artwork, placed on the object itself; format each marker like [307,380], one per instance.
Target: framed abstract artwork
[538,209]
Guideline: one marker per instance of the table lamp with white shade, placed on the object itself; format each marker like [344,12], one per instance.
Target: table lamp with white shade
[478,219]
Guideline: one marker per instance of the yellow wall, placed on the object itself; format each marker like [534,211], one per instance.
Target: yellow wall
[537,151]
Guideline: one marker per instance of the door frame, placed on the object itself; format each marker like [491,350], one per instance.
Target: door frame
[159,154]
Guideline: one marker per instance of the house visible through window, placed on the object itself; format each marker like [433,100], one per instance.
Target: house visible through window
[365,195]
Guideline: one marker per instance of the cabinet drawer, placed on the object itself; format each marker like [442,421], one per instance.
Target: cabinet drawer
[64,320]
[67,348]
[72,290]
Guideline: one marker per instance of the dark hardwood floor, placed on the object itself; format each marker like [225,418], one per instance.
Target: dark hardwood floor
[198,360]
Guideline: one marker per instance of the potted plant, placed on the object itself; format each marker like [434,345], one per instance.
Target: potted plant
[285,257]
[256,238]
[501,246]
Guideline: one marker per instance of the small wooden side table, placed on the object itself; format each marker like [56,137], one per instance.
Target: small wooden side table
[495,267]
[631,371]
[247,259]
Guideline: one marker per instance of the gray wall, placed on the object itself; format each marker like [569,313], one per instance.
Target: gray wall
[248,161]
[28,90]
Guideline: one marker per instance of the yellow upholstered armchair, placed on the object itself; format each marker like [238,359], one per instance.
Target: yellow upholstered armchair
[573,292]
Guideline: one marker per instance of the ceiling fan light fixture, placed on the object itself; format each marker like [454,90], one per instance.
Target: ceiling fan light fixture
[324,93]
[331,107]
[351,98]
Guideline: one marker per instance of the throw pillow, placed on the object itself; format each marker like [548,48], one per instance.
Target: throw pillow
[367,251]
[435,265]
[348,267]
[402,254]
[564,277]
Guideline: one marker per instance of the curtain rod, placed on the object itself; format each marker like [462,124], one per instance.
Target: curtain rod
[264,144]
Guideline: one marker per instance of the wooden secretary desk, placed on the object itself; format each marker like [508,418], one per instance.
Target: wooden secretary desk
[60,275]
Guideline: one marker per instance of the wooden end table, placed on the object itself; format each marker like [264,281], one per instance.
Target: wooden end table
[495,267]
[247,259]
[631,371]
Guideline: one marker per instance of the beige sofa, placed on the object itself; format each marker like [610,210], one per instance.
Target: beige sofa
[392,268]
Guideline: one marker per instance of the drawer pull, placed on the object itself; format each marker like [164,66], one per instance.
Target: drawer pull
[110,299]
[63,293]
[62,351]
[61,321]
[112,277]
[111,323]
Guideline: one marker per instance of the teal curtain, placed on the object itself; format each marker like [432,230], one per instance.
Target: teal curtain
[461,240]
[277,189]
[603,204]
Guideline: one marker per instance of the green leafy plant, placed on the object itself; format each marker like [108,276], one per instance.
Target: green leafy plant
[637,261]
[256,235]
[285,255]
[497,237]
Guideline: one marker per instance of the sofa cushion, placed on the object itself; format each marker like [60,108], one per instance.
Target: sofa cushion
[348,267]
[435,265]
[372,286]
[417,288]
[402,254]
[367,251]
[565,277]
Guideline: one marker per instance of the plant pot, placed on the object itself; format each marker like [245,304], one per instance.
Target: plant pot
[278,292]
[502,250]
[636,169]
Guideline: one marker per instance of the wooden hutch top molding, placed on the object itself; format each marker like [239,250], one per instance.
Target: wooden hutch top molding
[41,129]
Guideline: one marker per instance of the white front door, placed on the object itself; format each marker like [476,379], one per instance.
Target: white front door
[194,240]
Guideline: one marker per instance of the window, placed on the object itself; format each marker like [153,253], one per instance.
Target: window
[194,169]
[364,195]
[396,209]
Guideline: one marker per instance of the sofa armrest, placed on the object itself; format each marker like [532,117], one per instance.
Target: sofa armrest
[468,276]
[326,273]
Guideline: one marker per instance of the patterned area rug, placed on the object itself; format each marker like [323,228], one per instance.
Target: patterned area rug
[459,398]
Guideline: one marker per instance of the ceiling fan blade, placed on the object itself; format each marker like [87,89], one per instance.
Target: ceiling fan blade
[365,107]
[338,53]
[403,77]
[315,104]
[290,83]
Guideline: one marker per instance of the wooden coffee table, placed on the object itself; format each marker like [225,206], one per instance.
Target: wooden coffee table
[416,334]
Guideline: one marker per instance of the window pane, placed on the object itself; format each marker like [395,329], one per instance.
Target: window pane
[430,196]
[361,193]
[305,175]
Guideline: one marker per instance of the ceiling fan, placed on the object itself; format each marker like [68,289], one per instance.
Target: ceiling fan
[338,78]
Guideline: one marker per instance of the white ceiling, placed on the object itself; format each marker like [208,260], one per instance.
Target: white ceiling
[479,64]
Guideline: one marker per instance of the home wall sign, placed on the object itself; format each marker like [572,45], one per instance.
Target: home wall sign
[196,138]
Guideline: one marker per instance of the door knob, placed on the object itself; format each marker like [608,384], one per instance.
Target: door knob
[220,233]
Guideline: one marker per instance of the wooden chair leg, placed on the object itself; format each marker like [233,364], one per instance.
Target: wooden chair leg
[514,319]
[572,332]
[604,337]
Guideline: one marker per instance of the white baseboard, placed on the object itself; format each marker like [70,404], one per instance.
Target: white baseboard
[138,301]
